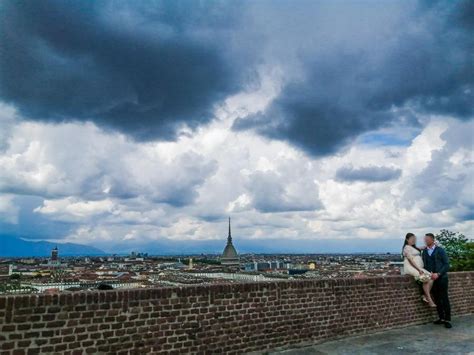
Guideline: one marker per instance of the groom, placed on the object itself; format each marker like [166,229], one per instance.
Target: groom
[436,262]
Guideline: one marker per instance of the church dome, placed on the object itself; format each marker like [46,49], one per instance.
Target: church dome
[230,252]
[229,255]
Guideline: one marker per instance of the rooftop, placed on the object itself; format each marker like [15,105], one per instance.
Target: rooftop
[420,339]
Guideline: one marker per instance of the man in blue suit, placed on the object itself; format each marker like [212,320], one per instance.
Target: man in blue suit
[436,261]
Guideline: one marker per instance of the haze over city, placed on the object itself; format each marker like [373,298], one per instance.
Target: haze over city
[318,126]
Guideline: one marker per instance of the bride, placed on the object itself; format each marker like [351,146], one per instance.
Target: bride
[413,265]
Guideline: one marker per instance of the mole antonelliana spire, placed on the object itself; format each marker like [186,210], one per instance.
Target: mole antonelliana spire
[230,256]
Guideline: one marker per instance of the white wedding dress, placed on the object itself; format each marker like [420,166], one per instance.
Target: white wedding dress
[412,254]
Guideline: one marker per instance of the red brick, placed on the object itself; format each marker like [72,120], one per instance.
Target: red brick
[233,318]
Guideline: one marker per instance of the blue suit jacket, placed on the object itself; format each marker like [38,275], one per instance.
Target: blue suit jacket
[439,263]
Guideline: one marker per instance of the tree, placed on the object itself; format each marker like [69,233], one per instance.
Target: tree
[466,263]
[458,248]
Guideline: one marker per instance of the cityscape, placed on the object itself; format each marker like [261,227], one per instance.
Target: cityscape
[139,270]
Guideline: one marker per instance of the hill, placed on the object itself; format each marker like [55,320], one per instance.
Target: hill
[11,246]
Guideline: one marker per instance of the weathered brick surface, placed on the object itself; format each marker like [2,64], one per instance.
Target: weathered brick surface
[231,318]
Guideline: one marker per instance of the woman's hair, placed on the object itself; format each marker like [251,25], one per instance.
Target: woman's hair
[408,236]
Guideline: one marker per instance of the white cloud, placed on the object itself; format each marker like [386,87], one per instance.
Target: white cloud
[113,190]
[446,184]
[57,161]
[8,209]
[71,208]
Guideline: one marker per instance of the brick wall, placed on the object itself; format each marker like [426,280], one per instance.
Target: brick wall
[217,319]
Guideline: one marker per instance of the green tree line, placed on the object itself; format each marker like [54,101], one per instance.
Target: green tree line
[459,249]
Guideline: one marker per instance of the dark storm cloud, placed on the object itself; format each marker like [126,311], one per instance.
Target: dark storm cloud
[368,65]
[148,68]
[367,174]
[140,68]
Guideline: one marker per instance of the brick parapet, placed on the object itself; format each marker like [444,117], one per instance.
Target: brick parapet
[224,318]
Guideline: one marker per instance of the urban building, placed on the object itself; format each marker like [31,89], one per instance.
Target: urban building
[54,259]
[230,256]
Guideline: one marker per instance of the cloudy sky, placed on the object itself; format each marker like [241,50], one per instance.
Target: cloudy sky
[124,123]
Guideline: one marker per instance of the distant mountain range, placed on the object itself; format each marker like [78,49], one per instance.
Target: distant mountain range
[11,246]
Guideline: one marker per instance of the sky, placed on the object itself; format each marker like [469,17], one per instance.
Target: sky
[126,124]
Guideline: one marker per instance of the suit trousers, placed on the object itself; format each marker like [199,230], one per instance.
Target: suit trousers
[441,298]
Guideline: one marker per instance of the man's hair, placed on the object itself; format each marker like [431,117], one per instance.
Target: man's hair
[430,235]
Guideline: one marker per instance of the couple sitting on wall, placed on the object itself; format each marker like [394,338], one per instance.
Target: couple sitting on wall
[429,265]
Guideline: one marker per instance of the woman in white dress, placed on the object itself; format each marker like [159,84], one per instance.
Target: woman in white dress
[413,265]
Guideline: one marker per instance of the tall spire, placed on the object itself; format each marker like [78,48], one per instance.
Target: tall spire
[229,255]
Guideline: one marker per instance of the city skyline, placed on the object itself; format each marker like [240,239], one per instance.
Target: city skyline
[20,247]
[316,125]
